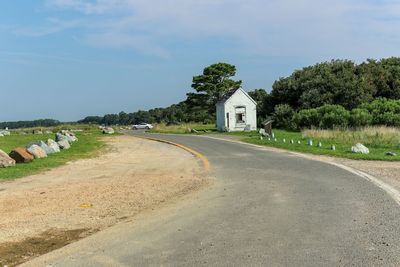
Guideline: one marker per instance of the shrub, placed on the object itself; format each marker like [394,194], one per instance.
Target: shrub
[307,118]
[284,117]
[360,117]
[333,116]
[384,111]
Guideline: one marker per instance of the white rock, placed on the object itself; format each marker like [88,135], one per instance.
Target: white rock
[64,144]
[37,151]
[53,144]
[360,148]
[109,130]
[262,132]
[5,160]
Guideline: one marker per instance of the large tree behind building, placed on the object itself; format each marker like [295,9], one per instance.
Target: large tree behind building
[210,86]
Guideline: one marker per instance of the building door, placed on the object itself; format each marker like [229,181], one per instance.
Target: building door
[227,120]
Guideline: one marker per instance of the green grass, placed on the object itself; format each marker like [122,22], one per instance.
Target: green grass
[90,142]
[343,143]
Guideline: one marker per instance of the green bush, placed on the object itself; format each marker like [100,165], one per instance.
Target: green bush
[333,116]
[284,117]
[307,118]
[360,117]
[384,111]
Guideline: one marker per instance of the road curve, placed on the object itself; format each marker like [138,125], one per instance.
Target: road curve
[264,209]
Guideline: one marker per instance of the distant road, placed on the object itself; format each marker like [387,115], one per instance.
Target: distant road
[264,209]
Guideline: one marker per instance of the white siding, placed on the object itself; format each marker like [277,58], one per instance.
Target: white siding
[237,102]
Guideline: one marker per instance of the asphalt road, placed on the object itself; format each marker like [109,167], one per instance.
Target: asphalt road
[264,209]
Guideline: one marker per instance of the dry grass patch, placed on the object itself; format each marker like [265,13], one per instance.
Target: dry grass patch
[373,135]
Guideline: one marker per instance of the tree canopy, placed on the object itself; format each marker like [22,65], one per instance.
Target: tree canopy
[210,86]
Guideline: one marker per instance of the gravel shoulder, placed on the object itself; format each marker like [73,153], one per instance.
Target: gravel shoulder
[85,196]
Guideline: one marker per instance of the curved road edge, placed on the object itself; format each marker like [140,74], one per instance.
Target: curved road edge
[203,158]
[390,190]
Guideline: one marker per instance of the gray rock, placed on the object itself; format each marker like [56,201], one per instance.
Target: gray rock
[73,138]
[64,144]
[5,132]
[53,144]
[6,160]
[390,153]
[60,136]
[37,151]
[360,148]
[44,146]
[109,130]
[263,133]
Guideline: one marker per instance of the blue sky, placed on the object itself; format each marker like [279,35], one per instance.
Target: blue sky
[66,59]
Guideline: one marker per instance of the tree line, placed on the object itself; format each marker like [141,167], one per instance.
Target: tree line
[334,87]
[29,124]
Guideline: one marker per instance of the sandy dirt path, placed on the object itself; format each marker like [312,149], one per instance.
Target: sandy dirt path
[85,196]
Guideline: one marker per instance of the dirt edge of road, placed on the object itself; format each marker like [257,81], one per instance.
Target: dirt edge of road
[153,185]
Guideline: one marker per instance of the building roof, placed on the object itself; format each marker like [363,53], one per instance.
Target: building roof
[231,92]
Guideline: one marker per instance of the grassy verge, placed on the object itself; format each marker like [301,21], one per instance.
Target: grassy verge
[379,140]
[89,143]
[183,128]
[342,140]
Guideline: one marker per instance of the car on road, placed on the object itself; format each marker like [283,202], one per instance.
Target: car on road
[142,125]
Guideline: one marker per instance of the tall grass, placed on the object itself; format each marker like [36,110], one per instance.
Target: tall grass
[372,135]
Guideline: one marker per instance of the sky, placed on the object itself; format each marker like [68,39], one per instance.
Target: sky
[67,59]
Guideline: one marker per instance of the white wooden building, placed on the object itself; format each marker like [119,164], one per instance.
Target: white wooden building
[236,111]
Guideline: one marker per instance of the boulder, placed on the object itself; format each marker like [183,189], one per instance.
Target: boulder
[44,146]
[108,130]
[1,135]
[5,160]
[263,133]
[5,132]
[37,151]
[21,155]
[53,144]
[64,144]
[360,148]
[71,137]
[67,136]
[60,136]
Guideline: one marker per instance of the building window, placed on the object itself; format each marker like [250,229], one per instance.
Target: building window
[240,113]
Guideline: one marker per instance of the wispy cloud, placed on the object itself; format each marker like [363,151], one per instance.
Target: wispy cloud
[274,27]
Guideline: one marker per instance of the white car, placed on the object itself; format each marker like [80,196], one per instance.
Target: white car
[143,125]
